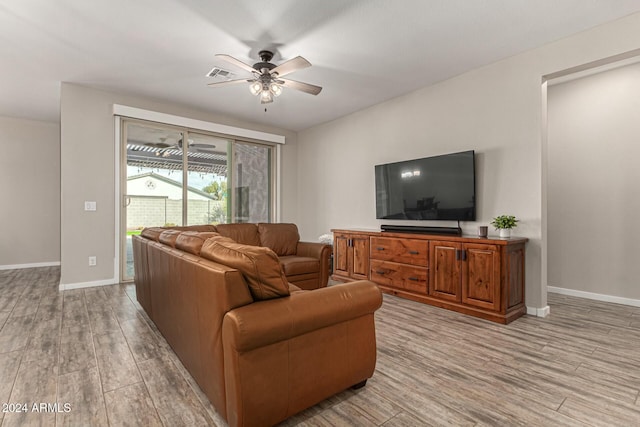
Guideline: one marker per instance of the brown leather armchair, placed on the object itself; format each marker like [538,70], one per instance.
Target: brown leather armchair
[306,264]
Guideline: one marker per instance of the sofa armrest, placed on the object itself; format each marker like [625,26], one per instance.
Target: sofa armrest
[284,355]
[319,251]
[312,249]
[266,322]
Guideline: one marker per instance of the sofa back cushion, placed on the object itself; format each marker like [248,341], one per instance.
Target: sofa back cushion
[207,228]
[152,233]
[258,265]
[168,237]
[244,233]
[191,241]
[280,238]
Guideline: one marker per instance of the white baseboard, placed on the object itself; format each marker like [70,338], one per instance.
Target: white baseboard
[69,286]
[32,265]
[594,296]
[539,312]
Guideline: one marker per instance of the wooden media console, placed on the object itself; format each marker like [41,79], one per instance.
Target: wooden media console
[482,277]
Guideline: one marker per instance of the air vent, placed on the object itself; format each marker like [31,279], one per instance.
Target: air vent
[220,73]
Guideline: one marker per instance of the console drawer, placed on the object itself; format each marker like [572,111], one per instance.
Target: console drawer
[406,251]
[400,276]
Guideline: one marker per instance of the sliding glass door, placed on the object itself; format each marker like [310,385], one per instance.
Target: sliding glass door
[152,189]
[178,176]
[207,198]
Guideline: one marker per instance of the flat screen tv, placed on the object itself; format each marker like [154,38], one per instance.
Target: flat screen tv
[432,188]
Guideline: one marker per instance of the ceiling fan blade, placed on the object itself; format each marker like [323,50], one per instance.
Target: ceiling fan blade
[229,82]
[203,147]
[304,87]
[237,62]
[297,63]
[157,144]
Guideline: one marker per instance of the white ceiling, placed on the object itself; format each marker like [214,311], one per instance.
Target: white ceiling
[363,51]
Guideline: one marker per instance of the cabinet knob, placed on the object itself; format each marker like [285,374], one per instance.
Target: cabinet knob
[414,279]
[379,249]
[414,252]
[380,272]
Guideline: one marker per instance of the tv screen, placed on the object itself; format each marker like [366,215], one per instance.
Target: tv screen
[432,188]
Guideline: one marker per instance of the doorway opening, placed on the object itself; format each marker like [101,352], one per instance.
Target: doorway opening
[583,178]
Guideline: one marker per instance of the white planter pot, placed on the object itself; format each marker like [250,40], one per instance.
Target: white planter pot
[505,232]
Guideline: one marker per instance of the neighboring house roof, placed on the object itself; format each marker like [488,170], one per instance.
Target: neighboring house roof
[170,181]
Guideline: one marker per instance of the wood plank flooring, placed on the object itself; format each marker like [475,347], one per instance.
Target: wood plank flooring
[96,350]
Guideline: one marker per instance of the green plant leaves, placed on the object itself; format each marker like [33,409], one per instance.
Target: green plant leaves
[504,221]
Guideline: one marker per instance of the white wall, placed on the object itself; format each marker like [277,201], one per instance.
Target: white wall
[88,173]
[594,171]
[495,110]
[30,193]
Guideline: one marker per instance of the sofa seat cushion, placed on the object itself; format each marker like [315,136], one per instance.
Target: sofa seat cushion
[258,265]
[293,288]
[281,238]
[293,265]
[244,233]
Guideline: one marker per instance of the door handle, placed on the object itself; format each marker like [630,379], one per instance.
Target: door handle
[461,255]
[126,201]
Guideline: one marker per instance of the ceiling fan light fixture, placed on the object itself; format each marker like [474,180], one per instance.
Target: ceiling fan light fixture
[255,88]
[275,89]
[266,97]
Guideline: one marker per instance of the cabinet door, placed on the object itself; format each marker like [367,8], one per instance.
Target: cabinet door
[445,269]
[481,276]
[360,264]
[341,254]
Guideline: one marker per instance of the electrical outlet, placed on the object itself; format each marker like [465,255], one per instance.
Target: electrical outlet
[92,261]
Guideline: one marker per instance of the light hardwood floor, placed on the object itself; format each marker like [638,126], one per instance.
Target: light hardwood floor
[96,350]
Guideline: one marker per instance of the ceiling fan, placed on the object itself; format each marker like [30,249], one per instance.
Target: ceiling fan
[267,81]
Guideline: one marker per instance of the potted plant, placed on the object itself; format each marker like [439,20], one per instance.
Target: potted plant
[504,223]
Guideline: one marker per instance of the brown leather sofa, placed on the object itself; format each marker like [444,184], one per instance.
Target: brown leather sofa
[259,347]
[306,264]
